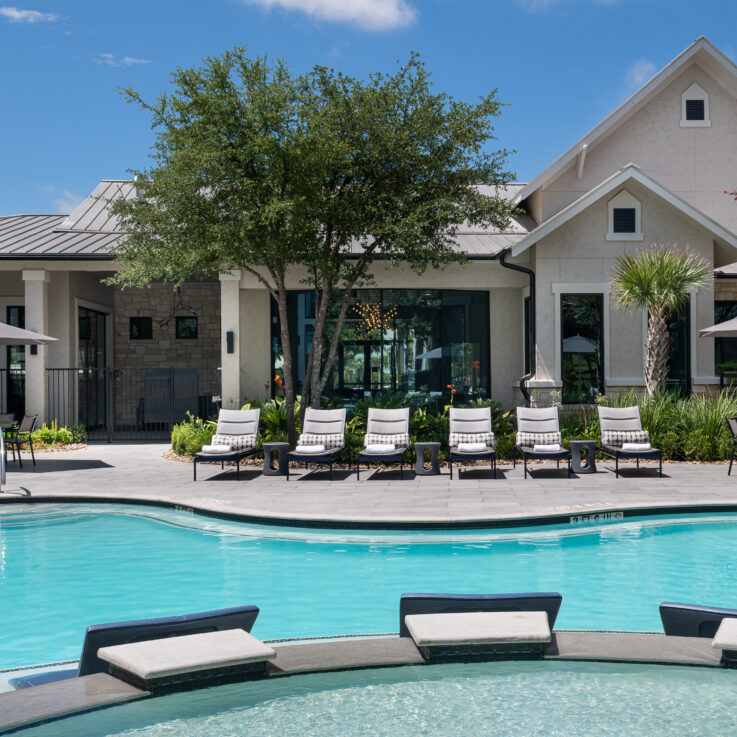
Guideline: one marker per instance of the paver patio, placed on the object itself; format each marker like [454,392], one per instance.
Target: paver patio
[138,471]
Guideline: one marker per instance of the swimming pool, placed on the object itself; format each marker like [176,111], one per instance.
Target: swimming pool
[534,699]
[63,567]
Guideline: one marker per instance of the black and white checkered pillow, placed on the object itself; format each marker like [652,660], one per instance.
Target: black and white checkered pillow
[237,442]
[471,437]
[400,440]
[538,438]
[329,441]
[615,438]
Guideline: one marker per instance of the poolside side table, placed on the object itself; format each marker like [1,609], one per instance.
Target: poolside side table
[586,464]
[420,468]
[280,450]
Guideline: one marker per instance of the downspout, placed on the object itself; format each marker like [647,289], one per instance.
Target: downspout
[533,343]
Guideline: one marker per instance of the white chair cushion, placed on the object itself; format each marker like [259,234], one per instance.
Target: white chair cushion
[726,636]
[186,654]
[478,628]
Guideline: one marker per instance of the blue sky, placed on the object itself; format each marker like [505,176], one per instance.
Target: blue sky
[561,65]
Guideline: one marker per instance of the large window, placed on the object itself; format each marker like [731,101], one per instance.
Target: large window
[582,351]
[410,340]
[725,349]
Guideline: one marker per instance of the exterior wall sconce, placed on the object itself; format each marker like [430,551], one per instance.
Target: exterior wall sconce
[230,341]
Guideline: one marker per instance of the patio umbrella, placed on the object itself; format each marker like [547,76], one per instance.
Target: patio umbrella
[726,329]
[10,335]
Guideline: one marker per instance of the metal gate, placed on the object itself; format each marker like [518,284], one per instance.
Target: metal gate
[131,403]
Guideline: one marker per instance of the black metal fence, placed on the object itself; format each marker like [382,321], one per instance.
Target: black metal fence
[131,403]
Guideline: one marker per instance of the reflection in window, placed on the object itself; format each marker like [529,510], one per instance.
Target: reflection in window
[582,350]
[409,340]
[725,349]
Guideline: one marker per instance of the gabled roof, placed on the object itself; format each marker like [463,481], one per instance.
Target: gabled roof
[38,236]
[628,173]
[702,51]
[92,214]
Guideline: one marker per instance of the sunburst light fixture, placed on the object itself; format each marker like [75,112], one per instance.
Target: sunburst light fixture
[373,317]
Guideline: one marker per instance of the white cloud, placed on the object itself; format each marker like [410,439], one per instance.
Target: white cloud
[118,61]
[373,15]
[639,73]
[67,203]
[16,15]
[533,6]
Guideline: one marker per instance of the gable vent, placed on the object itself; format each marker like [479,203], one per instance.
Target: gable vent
[623,219]
[695,110]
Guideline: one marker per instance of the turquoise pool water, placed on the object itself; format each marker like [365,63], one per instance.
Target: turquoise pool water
[533,699]
[63,567]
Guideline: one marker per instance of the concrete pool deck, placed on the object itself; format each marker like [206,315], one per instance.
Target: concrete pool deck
[135,471]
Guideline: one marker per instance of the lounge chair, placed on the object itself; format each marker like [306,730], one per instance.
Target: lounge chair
[692,620]
[16,438]
[732,426]
[538,437]
[469,428]
[487,626]
[235,436]
[322,439]
[621,433]
[714,623]
[118,633]
[387,438]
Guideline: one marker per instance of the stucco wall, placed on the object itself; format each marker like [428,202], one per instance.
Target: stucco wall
[255,337]
[578,253]
[695,163]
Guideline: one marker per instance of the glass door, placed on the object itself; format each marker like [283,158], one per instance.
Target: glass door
[92,337]
[16,363]
[679,376]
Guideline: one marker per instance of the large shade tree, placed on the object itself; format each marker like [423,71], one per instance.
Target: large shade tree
[658,279]
[260,169]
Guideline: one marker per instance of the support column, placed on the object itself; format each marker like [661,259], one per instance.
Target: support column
[37,319]
[230,328]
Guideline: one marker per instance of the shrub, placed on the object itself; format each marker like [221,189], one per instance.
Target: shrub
[52,435]
[79,433]
[188,437]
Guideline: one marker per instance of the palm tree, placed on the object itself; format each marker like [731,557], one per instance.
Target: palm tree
[658,279]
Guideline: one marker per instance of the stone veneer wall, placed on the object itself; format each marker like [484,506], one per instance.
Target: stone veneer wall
[725,289]
[165,350]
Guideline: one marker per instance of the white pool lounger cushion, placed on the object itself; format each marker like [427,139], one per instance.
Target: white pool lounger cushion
[172,656]
[478,628]
[726,636]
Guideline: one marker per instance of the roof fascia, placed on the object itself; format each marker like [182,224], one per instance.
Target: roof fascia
[629,172]
[620,114]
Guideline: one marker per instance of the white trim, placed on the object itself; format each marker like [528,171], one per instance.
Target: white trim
[628,173]
[695,92]
[603,288]
[704,380]
[634,381]
[35,275]
[543,384]
[701,46]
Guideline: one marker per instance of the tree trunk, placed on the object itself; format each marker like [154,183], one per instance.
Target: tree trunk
[287,365]
[322,373]
[657,352]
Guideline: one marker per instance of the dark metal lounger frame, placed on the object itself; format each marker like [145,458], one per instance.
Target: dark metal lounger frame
[692,620]
[528,452]
[396,456]
[456,455]
[236,456]
[655,454]
[328,457]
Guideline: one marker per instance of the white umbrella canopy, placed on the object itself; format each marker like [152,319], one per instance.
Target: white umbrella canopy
[579,344]
[726,329]
[10,335]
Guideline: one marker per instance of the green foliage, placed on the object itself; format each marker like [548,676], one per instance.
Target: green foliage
[52,435]
[79,433]
[258,168]
[273,420]
[188,437]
